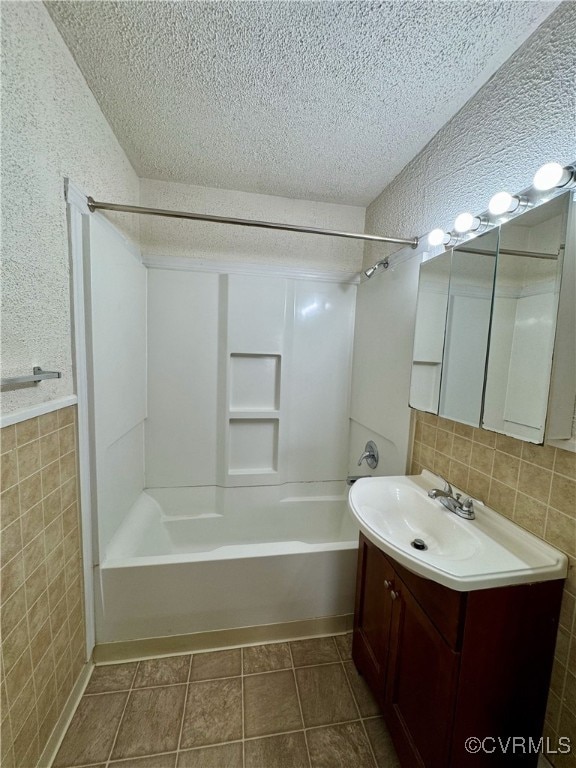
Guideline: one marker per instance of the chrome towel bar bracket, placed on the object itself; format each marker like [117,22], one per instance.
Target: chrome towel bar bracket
[37,375]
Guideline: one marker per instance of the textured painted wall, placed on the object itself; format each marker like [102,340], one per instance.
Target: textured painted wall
[523,117]
[52,127]
[520,119]
[202,240]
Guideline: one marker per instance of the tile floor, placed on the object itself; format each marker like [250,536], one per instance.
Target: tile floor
[286,705]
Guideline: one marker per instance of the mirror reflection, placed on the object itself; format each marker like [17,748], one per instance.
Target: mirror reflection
[467,329]
[524,321]
[432,304]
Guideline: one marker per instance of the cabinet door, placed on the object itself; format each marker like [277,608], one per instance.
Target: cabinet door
[421,685]
[372,616]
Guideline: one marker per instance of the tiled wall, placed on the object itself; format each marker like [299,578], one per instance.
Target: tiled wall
[42,615]
[535,486]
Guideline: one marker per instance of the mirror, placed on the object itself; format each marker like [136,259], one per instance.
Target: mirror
[431,307]
[495,336]
[467,329]
[524,314]
[452,327]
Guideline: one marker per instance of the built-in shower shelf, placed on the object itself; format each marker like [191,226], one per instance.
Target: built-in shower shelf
[253,446]
[253,412]
[254,382]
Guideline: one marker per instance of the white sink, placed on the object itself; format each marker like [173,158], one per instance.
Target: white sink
[489,551]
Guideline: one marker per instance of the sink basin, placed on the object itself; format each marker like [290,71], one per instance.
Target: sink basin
[464,555]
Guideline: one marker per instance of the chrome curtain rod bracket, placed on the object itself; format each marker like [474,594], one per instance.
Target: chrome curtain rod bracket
[37,375]
[98,205]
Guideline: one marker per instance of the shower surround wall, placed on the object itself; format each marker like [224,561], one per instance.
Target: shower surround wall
[523,117]
[115,295]
[248,339]
[246,450]
[248,379]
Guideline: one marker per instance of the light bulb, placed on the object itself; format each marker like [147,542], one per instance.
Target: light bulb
[437,237]
[551,175]
[465,222]
[503,202]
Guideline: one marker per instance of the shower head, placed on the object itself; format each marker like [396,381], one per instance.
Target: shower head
[374,268]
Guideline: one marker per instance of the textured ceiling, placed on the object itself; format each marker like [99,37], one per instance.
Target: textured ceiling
[316,100]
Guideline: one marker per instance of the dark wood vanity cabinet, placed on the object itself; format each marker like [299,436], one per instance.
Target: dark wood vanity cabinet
[447,665]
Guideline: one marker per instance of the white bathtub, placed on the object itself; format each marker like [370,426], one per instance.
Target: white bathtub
[189,560]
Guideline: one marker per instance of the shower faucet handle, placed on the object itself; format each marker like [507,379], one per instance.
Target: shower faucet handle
[370,455]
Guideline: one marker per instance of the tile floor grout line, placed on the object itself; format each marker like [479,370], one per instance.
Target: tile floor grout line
[164,685]
[331,725]
[348,683]
[361,718]
[139,688]
[300,706]
[118,763]
[295,666]
[270,735]
[184,709]
[107,762]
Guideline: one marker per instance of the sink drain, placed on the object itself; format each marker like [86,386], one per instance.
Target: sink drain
[419,544]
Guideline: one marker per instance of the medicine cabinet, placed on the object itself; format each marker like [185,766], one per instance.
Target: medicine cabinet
[495,335]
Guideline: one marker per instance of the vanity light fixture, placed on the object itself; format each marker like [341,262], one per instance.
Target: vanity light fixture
[552,175]
[466,222]
[503,202]
[551,178]
[438,237]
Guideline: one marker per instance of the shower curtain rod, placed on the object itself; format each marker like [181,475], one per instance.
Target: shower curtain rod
[511,252]
[98,205]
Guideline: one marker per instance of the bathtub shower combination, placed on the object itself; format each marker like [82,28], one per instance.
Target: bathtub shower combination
[220,422]
[197,559]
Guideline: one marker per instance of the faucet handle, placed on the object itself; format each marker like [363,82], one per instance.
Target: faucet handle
[447,486]
[370,455]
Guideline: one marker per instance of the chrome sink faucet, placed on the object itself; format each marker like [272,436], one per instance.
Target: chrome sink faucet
[452,501]
[434,493]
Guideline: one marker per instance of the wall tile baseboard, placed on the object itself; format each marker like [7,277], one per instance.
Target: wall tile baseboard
[42,609]
[57,735]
